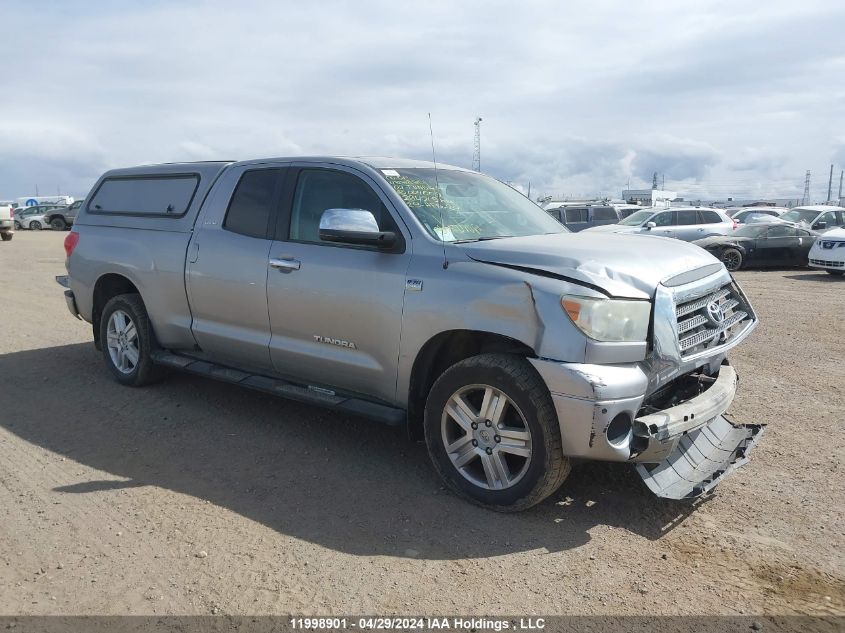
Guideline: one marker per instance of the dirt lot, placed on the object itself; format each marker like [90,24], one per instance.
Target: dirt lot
[197,497]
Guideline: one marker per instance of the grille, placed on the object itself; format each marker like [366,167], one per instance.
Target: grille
[827,262]
[711,319]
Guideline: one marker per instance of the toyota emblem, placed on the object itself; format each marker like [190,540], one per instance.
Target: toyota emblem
[714,313]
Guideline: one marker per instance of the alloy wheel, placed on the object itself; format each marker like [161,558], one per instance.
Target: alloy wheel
[486,437]
[122,342]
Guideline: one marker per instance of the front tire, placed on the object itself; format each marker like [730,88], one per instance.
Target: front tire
[35,225]
[492,433]
[128,340]
[731,258]
[58,224]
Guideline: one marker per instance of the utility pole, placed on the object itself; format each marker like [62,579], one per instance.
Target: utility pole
[36,190]
[654,181]
[663,185]
[806,198]
[830,184]
[841,173]
[476,151]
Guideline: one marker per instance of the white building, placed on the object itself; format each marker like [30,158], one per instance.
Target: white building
[649,197]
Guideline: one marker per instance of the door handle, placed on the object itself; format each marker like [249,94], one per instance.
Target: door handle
[285,265]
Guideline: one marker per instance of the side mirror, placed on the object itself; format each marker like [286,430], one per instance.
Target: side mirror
[650,225]
[354,226]
[820,225]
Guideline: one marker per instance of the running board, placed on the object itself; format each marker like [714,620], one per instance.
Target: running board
[277,387]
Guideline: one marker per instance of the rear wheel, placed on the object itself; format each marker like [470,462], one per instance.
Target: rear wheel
[58,224]
[128,340]
[35,225]
[492,433]
[6,236]
[731,258]
[18,226]
[836,273]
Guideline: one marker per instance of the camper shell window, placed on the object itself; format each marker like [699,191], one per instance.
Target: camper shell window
[165,195]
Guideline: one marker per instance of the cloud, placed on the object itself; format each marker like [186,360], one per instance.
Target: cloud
[578,97]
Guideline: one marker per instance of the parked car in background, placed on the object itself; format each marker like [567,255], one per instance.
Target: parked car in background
[62,217]
[828,252]
[683,223]
[762,245]
[751,215]
[7,227]
[34,218]
[578,218]
[819,217]
[625,210]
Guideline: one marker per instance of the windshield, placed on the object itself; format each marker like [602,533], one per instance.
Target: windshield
[461,206]
[635,219]
[800,215]
[751,230]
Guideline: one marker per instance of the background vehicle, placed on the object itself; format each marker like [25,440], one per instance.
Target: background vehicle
[819,217]
[757,214]
[828,252]
[34,218]
[761,245]
[440,299]
[625,209]
[578,218]
[684,223]
[62,218]
[32,201]
[7,228]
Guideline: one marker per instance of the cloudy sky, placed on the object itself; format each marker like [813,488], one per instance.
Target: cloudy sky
[724,98]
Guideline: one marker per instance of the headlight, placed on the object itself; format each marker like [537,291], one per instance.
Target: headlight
[609,319]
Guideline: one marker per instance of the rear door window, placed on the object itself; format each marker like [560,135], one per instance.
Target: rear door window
[145,195]
[576,214]
[604,213]
[710,217]
[686,217]
[253,202]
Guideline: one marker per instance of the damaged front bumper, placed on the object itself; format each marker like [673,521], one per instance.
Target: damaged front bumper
[680,452]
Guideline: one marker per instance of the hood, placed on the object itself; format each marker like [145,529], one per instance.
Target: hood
[721,240]
[834,234]
[620,265]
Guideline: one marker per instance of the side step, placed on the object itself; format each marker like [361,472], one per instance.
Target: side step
[309,395]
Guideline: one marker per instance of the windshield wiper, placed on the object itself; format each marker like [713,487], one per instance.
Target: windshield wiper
[481,239]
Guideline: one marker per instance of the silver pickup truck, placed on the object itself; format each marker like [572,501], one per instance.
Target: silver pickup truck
[427,296]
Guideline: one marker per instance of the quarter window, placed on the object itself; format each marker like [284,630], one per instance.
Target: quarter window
[252,203]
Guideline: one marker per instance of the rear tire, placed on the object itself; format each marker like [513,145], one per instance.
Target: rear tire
[7,236]
[127,341]
[836,273]
[58,224]
[731,258]
[18,226]
[492,433]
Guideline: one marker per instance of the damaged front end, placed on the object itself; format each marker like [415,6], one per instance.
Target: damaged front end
[698,444]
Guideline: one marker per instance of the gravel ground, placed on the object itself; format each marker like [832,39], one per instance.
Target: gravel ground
[195,497]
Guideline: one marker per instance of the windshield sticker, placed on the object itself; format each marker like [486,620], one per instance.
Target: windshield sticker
[418,193]
[390,172]
[445,234]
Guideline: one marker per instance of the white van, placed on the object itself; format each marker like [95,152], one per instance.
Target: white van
[31,201]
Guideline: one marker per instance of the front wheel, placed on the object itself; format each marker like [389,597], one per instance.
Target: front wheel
[58,224]
[492,433]
[35,225]
[731,258]
[128,340]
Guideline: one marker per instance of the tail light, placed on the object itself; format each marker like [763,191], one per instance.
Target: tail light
[71,241]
